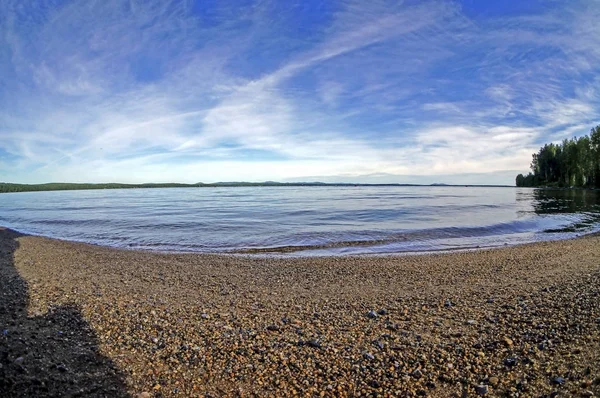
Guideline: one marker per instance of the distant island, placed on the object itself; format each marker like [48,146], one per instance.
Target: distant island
[59,186]
[572,163]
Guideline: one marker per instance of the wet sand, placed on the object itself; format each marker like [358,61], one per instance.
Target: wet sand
[82,320]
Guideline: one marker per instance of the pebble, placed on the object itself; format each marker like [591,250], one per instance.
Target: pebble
[558,380]
[314,343]
[417,374]
[481,389]
[372,314]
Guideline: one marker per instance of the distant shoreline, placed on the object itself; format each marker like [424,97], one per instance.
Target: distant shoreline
[10,187]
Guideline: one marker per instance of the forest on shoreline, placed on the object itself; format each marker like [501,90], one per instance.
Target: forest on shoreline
[572,163]
[10,187]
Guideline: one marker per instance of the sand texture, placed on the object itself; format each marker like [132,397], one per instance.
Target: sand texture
[81,320]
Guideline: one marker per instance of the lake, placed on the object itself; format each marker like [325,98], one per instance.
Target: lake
[305,221]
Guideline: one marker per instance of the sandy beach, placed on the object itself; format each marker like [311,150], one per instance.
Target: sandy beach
[82,320]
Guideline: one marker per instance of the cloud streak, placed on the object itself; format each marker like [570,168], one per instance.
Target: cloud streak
[184,91]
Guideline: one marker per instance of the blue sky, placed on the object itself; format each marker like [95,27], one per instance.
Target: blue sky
[365,91]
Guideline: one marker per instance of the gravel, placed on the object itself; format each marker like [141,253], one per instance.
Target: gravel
[150,324]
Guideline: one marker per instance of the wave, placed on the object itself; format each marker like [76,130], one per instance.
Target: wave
[302,221]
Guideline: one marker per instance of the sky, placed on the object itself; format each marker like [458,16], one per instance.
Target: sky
[349,91]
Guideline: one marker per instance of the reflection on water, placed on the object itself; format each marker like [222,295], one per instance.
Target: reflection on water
[584,203]
[550,201]
[305,220]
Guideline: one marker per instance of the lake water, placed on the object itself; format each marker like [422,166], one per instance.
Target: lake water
[304,221]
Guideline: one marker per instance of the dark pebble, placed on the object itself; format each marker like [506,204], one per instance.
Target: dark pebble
[314,343]
[481,389]
[417,374]
[559,380]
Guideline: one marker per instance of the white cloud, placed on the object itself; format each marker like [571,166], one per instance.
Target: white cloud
[149,91]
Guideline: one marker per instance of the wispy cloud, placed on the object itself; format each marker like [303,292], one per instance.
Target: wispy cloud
[186,91]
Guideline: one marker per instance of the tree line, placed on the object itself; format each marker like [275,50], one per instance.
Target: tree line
[572,163]
[59,186]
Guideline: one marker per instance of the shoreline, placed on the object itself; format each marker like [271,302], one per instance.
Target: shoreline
[519,319]
[295,252]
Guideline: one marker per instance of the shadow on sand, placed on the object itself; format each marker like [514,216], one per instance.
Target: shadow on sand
[51,355]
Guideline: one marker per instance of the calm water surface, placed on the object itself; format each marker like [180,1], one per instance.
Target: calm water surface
[304,220]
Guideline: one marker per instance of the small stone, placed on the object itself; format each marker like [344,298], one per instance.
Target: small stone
[559,380]
[448,303]
[314,343]
[490,300]
[481,389]
[272,328]
[205,315]
[144,395]
[587,393]
[19,360]
[417,374]
[508,342]
[156,387]
[493,381]
[471,322]
[379,344]
[372,314]
[369,356]
[374,384]
[382,312]
[62,368]
[510,362]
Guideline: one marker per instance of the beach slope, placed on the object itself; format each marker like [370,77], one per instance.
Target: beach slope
[84,320]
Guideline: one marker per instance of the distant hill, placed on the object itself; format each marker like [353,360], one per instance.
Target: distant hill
[60,186]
